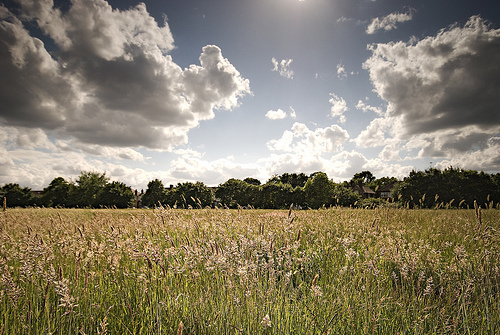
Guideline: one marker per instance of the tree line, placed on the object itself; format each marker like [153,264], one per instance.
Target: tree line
[91,189]
[432,188]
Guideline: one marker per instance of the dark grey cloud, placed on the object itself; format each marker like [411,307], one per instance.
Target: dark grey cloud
[31,80]
[108,78]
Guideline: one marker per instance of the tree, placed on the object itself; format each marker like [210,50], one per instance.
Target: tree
[495,179]
[89,185]
[364,177]
[233,193]
[116,194]
[16,195]
[252,181]
[276,195]
[319,191]
[196,195]
[450,187]
[294,179]
[253,195]
[57,193]
[299,196]
[155,194]
[345,196]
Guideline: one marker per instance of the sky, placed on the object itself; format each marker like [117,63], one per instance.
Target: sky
[198,90]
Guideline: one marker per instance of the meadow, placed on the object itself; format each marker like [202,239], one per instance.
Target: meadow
[213,271]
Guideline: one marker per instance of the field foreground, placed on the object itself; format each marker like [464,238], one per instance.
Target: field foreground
[172,271]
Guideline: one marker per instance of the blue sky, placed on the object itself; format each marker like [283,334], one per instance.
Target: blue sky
[210,90]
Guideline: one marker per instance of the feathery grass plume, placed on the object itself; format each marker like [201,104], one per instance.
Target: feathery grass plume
[450,204]
[102,326]
[13,291]
[66,300]
[478,215]
[180,328]
[315,279]
[315,289]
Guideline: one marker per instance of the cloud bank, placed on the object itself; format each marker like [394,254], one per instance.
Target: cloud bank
[442,94]
[105,77]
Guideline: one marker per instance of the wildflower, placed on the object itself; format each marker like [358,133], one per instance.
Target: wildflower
[266,321]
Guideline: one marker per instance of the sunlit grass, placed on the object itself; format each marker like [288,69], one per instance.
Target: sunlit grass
[384,271]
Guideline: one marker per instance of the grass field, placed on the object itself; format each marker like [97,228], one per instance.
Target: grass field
[166,271]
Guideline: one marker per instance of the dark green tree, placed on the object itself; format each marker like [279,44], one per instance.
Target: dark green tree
[319,191]
[276,195]
[233,193]
[434,188]
[496,186]
[294,179]
[364,177]
[344,196]
[195,195]
[252,181]
[155,194]
[116,194]
[89,186]
[16,195]
[252,196]
[299,196]
[57,193]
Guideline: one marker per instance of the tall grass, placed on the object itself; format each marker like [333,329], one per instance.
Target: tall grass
[170,271]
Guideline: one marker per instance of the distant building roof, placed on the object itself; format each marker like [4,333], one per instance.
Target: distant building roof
[386,188]
[362,189]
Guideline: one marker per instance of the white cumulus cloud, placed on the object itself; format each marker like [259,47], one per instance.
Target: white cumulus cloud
[388,22]
[276,114]
[339,107]
[366,108]
[304,140]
